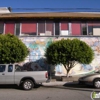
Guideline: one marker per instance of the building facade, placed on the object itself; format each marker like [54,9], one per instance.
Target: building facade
[38,30]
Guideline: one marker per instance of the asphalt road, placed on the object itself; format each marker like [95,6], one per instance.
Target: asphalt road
[69,91]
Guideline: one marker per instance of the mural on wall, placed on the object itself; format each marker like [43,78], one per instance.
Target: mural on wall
[38,45]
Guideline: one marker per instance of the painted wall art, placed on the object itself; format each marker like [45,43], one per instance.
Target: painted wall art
[38,45]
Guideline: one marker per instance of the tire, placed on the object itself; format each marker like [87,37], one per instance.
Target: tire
[96,83]
[28,84]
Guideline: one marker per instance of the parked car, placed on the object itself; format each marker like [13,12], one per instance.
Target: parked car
[91,79]
[15,74]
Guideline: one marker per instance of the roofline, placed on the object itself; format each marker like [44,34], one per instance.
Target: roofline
[50,14]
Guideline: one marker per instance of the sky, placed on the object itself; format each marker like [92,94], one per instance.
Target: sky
[94,4]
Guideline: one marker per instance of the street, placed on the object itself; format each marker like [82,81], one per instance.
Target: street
[69,91]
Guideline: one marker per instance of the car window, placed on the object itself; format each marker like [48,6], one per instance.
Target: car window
[10,68]
[2,68]
[17,68]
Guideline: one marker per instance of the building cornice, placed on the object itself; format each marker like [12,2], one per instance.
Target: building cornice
[49,15]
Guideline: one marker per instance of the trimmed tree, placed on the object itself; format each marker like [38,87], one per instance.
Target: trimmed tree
[68,52]
[12,49]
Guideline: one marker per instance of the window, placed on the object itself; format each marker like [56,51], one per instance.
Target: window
[17,31]
[9,28]
[18,68]
[57,28]
[2,68]
[84,28]
[49,28]
[64,28]
[29,28]
[1,28]
[93,28]
[76,28]
[10,68]
[41,28]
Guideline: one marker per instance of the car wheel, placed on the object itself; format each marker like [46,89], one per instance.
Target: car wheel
[27,85]
[97,83]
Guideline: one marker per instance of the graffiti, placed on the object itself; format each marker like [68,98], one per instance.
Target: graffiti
[38,45]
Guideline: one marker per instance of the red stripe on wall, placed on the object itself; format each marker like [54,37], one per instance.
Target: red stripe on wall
[9,28]
[64,26]
[76,29]
[29,27]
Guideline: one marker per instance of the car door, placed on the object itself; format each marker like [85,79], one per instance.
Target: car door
[2,74]
[10,74]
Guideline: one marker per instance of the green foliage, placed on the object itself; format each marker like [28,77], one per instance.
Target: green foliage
[67,52]
[12,49]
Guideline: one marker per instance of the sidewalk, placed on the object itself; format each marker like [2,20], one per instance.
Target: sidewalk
[61,83]
[56,83]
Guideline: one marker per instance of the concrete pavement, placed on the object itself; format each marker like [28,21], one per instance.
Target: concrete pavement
[54,82]
[57,83]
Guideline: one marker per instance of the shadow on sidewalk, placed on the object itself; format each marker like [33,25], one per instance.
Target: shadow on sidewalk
[74,86]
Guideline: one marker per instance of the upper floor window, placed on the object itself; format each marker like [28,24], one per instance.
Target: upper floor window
[84,28]
[64,28]
[57,28]
[9,27]
[46,28]
[17,30]
[93,28]
[53,28]
[1,28]
[49,28]
[28,28]
[41,28]
[75,28]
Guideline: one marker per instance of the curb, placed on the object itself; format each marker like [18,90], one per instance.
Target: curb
[54,83]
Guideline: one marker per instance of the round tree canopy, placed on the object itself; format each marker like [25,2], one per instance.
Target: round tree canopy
[12,49]
[67,50]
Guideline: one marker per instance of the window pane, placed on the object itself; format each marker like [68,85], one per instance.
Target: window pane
[64,28]
[29,28]
[94,28]
[64,25]
[57,30]
[84,28]
[41,28]
[17,29]
[18,68]
[2,68]
[9,28]
[1,28]
[76,29]
[10,68]
[49,28]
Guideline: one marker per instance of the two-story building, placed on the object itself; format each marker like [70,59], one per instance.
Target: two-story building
[37,30]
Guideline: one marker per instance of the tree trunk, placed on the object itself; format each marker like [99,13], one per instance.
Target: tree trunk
[67,69]
[69,66]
